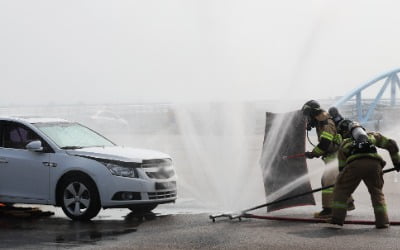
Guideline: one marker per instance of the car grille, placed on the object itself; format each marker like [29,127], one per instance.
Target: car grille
[158,169]
[156,163]
[161,195]
[166,185]
[161,174]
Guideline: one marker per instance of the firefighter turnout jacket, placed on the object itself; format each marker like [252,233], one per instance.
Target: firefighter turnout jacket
[346,153]
[328,138]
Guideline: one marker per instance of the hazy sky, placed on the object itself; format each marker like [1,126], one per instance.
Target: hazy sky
[96,51]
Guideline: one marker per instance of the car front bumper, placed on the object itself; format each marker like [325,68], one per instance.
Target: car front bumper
[127,192]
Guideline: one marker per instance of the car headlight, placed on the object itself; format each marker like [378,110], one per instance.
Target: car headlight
[121,171]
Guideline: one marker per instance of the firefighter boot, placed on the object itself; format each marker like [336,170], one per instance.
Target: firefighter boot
[324,214]
[351,206]
[383,226]
[333,223]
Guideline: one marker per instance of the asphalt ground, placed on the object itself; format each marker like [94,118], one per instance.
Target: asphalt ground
[190,232]
[196,232]
[168,228]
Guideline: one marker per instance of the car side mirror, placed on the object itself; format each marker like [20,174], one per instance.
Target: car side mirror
[34,146]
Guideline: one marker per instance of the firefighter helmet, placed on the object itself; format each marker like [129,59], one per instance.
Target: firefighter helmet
[311,108]
[344,128]
[336,116]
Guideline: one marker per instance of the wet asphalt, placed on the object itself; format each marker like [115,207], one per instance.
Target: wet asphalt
[185,226]
[120,229]
[58,231]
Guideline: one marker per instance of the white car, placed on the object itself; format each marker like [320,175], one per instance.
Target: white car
[57,162]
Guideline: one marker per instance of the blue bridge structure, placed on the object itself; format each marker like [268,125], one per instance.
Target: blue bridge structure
[373,111]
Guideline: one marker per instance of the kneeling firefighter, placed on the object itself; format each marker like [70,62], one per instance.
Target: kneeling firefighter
[328,144]
[359,161]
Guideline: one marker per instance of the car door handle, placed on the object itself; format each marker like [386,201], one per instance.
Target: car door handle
[3,160]
[49,164]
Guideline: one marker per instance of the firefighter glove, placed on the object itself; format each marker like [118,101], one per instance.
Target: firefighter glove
[310,155]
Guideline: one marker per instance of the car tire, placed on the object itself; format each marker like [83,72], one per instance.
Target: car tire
[79,198]
[142,209]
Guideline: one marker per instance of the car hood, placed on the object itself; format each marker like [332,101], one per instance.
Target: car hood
[119,153]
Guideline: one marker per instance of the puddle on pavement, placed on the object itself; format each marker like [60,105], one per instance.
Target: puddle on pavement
[58,230]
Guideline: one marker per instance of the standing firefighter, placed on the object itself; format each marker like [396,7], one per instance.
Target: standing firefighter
[359,161]
[328,144]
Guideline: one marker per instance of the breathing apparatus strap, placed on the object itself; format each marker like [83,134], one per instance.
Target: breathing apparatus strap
[308,138]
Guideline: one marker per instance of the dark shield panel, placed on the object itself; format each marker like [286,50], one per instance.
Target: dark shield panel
[284,167]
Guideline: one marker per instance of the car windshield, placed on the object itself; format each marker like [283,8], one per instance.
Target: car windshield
[72,135]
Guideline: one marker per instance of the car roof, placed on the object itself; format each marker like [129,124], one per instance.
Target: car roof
[32,119]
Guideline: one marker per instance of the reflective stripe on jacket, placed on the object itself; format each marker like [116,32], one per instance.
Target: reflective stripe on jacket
[328,139]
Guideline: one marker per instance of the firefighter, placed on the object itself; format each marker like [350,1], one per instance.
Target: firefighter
[336,116]
[359,161]
[328,144]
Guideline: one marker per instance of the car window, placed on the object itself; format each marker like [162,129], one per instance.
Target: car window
[17,135]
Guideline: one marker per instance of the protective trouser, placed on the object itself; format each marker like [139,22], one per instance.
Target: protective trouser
[370,172]
[329,178]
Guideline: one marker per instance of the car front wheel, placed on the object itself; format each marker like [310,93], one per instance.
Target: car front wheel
[79,198]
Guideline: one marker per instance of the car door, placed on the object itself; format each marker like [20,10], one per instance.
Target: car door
[24,174]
